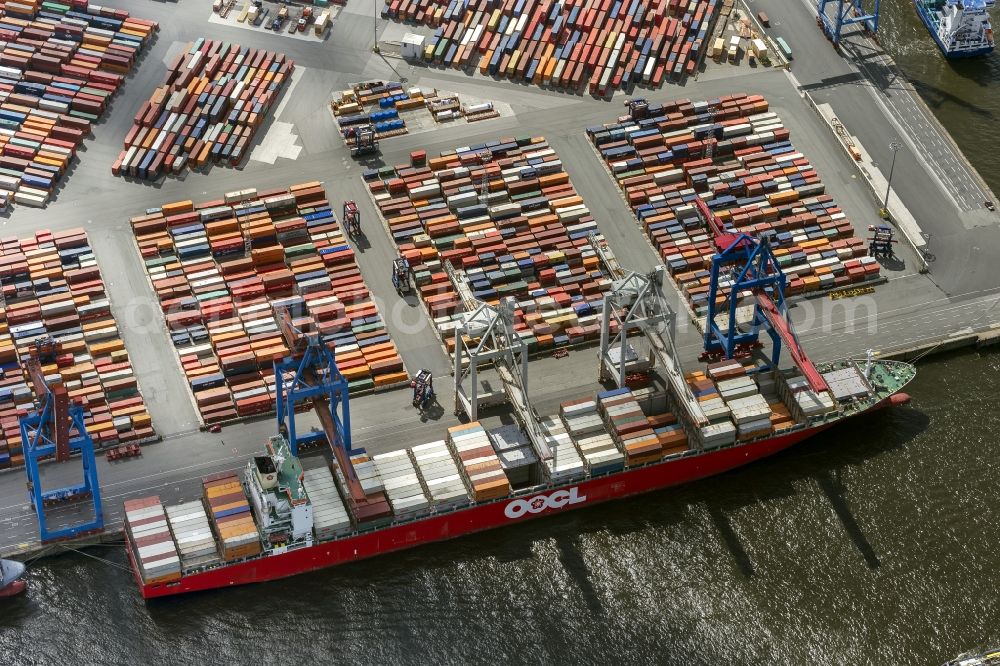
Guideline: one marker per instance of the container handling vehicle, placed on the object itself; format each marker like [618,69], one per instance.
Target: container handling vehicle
[288,514]
[401,276]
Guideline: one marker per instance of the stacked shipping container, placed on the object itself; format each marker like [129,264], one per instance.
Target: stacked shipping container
[231,517]
[219,268]
[565,462]
[471,445]
[193,535]
[53,287]
[330,517]
[736,155]
[603,45]
[60,63]
[213,99]
[597,449]
[153,547]
[629,427]
[440,475]
[402,485]
[512,226]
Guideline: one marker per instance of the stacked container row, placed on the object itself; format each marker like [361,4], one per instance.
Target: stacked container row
[565,461]
[330,517]
[213,99]
[508,219]
[373,509]
[231,517]
[597,448]
[516,454]
[220,268]
[60,64]
[440,475]
[604,45]
[193,535]
[629,427]
[735,155]
[401,482]
[471,444]
[152,546]
[52,287]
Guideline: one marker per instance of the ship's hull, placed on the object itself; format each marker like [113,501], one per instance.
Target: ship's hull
[928,22]
[459,522]
[13,589]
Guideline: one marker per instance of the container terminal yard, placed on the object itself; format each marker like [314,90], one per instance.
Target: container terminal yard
[935,292]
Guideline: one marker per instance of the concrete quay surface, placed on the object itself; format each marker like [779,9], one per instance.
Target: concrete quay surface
[911,310]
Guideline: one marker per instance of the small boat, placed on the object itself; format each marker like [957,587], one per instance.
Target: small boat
[10,582]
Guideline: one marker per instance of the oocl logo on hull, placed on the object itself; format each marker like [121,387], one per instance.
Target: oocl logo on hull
[539,503]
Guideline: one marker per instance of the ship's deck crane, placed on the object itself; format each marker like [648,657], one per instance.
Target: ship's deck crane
[57,428]
[845,12]
[316,379]
[750,269]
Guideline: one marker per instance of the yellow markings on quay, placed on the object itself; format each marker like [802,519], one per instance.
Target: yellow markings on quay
[848,293]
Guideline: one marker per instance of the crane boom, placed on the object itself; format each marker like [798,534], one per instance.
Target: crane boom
[312,355]
[781,326]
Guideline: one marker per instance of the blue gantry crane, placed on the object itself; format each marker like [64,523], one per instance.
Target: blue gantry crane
[833,15]
[748,267]
[57,429]
[310,375]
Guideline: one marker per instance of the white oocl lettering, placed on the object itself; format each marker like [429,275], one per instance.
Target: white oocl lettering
[539,503]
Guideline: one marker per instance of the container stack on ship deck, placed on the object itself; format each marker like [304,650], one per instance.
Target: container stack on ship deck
[597,448]
[193,535]
[440,475]
[471,444]
[231,517]
[402,485]
[330,517]
[153,547]
[373,509]
[565,462]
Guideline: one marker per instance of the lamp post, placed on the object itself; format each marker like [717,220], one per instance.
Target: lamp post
[375,25]
[894,145]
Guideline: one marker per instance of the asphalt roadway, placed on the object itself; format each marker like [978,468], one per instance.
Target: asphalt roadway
[876,104]
[909,309]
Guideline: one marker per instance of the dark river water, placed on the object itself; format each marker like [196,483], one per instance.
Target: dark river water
[874,543]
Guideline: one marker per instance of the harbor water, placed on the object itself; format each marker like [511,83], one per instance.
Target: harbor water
[874,543]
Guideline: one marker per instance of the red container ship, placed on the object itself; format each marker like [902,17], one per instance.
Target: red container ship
[199,546]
